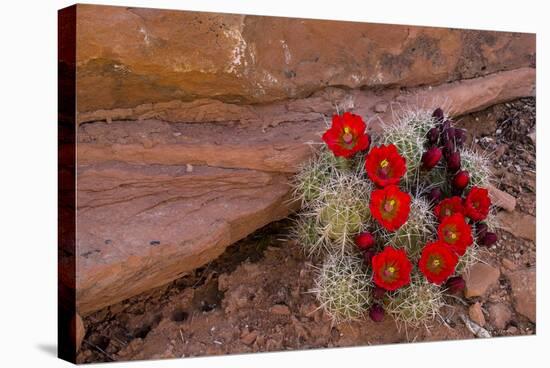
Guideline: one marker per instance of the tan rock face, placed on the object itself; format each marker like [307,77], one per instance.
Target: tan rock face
[142,226]
[519,224]
[476,314]
[499,315]
[501,199]
[524,285]
[131,56]
[479,279]
[462,97]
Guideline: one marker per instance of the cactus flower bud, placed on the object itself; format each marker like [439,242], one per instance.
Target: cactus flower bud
[376,313]
[455,284]
[453,161]
[438,114]
[435,195]
[364,240]
[367,256]
[461,180]
[449,134]
[378,292]
[448,148]
[481,230]
[488,239]
[444,126]
[430,158]
[460,137]
[432,136]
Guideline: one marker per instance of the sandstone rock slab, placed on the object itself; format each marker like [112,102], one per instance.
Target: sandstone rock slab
[458,98]
[518,223]
[479,279]
[499,315]
[524,287]
[131,56]
[141,226]
[501,199]
[476,314]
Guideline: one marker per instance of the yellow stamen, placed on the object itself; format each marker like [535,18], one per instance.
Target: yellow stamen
[388,205]
[391,269]
[436,262]
[384,163]
[453,236]
[347,130]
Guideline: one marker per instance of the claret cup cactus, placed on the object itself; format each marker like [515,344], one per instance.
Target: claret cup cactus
[396,217]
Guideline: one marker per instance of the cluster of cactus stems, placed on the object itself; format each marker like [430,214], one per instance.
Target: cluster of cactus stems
[334,193]
[343,288]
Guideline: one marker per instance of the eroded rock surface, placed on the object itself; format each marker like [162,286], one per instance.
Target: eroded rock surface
[131,56]
[141,226]
[524,286]
[479,279]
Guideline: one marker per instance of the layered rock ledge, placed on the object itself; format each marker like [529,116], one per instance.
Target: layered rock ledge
[131,56]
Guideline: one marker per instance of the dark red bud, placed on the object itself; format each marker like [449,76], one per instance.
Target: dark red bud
[438,114]
[455,284]
[430,158]
[453,161]
[461,180]
[489,239]
[448,148]
[449,134]
[481,230]
[435,195]
[364,240]
[367,256]
[376,313]
[460,137]
[433,136]
[444,126]
[378,292]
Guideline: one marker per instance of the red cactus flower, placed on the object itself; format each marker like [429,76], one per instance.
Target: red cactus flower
[391,269]
[364,240]
[437,262]
[448,206]
[347,135]
[390,207]
[385,166]
[461,180]
[431,157]
[455,232]
[477,204]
